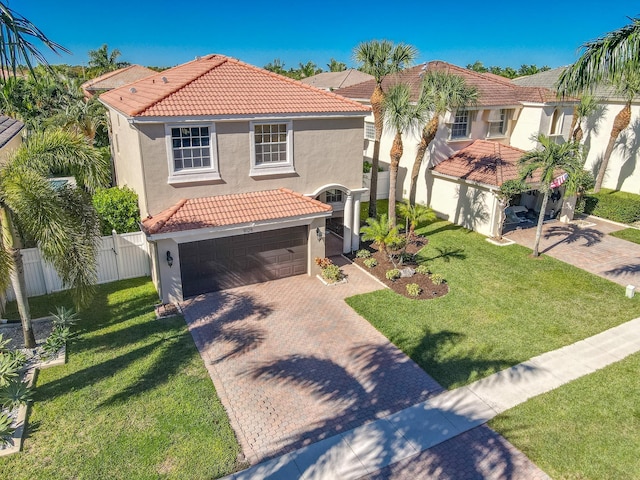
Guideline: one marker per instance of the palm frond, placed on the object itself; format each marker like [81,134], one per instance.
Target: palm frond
[382,57]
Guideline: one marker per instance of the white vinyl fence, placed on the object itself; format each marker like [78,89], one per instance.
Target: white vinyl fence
[120,256]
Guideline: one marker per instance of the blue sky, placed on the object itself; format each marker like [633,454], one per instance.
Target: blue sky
[166,33]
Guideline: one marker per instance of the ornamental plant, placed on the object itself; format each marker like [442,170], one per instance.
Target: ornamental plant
[364,253]
[392,274]
[423,269]
[414,289]
[437,278]
[370,262]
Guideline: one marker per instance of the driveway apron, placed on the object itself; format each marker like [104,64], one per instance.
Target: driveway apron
[588,247]
[293,364]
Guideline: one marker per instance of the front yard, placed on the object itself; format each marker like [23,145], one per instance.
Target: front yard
[503,308]
[133,401]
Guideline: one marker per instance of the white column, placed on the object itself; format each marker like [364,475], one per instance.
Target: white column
[355,231]
[348,224]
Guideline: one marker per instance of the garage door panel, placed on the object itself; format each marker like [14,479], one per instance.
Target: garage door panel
[218,264]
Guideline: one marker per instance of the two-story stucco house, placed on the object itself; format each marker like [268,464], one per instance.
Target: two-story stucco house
[476,149]
[236,169]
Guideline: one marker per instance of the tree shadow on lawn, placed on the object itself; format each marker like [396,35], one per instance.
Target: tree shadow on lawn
[446,226]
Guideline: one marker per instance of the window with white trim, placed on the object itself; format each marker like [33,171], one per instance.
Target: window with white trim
[271,148]
[498,124]
[461,123]
[369,131]
[333,196]
[192,153]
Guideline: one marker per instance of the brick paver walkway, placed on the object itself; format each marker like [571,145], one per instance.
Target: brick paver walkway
[293,364]
[589,248]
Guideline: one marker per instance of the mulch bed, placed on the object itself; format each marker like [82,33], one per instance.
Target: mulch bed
[429,289]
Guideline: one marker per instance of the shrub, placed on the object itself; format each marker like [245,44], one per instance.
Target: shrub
[392,274]
[15,394]
[366,167]
[364,253]
[332,273]
[414,289]
[117,209]
[423,269]
[370,262]
[323,262]
[613,205]
[5,427]
[54,342]
[64,317]
[437,278]
[8,369]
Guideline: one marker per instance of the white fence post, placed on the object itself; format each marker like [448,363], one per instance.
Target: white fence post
[116,250]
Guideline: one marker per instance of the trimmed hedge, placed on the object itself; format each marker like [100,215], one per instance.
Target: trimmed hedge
[117,209]
[613,205]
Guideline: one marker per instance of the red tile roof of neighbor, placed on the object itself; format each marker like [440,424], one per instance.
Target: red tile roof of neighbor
[118,78]
[219,85]
[492,90]
[486,162]
[239,208]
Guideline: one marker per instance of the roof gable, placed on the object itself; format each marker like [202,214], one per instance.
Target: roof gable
[219,85]
[118,78]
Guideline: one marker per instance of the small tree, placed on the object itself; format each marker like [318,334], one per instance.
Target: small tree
[505,194]
[117,209]
[414,215]
[380,232]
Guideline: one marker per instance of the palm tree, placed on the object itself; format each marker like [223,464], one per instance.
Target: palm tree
[604,60]
[61,220]
[628,86]
[442,91]
[336,66]
[587,106]
[414,215]
[101,61]
[547,163]
[308,69]
[380,58]
[380,232]
[80,116]
[16,42]
[400,115]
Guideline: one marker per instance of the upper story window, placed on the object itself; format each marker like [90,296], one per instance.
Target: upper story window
[333,196]
[192,153]
[497,123]
[556,122]
[461,124]
[369,131]
[271,148]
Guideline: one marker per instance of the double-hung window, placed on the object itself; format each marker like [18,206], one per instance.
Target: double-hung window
[498,123]
[271,148]
[461,124]
[192,153]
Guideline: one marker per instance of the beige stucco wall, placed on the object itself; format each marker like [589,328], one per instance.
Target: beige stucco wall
[126,156]
[473,207]
[9,148]
[325,151]
[623,172]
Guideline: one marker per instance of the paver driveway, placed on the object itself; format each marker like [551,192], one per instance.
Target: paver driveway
[293,364]
[588,248]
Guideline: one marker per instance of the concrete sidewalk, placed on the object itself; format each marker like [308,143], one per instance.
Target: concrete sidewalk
[372,447]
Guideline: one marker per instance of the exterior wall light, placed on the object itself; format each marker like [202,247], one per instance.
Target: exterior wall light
[319,234]
[169,259]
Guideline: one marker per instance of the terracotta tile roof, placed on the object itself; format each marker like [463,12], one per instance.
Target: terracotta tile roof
[219,85]
[492,89]
[9,128]
[224,210]
[118,78]
[334,80]
[486,162]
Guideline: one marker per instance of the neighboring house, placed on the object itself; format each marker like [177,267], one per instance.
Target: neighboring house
[236,169]
[623,172]
[461,170]
[115,79]
[10,136]
[334,80]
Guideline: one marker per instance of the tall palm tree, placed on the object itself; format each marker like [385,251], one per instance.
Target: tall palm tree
[400,115]
[336,66]
[101,61]
[62,220]
[17,47]
[442,91]
[628,86]
[603,60]
[546,163]
[380,58]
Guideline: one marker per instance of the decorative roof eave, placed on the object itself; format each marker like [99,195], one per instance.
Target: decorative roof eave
[465,180]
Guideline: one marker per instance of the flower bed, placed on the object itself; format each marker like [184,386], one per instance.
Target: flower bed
[427,288]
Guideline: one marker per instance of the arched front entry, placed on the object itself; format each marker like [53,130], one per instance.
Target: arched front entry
[348,201]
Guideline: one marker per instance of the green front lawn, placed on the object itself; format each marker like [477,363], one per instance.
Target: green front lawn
[587,429]
[629,234]
[503,307]
[133,401]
